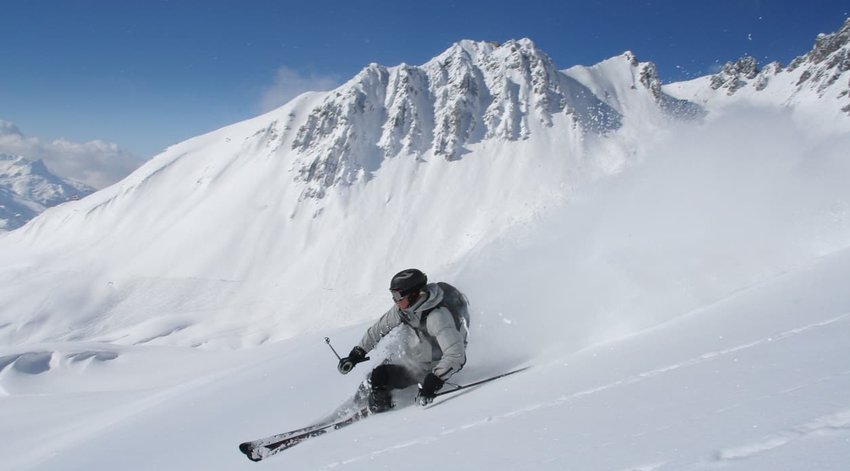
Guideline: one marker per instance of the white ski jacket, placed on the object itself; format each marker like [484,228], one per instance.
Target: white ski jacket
[439,343]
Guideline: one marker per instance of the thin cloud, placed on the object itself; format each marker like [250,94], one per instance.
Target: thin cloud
[289,83]
[95,163]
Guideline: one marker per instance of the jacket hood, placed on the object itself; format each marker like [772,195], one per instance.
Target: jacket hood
[432,298]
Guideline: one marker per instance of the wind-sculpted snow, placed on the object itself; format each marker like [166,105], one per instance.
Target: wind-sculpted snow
[29,363]
[834,423]
[38,362]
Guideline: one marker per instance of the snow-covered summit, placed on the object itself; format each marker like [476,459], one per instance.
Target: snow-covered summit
[817,77]
[737,74]
[824,66]
[472,92]
[633,89]
[27,188]
[818,69]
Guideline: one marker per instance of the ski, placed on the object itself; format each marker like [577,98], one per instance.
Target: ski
[258,450]
[281,436]
[261,449]
[480,382]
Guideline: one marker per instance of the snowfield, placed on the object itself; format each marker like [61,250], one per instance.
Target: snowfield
[757,380]
[678,287]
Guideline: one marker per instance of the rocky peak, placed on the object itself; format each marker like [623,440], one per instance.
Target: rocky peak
[648,74]
[673,107]
[471,92]
[626,83]
[828,47]
[484,90]
[746,66]
[826,62]
[819,69]
[338,138]
[735,75]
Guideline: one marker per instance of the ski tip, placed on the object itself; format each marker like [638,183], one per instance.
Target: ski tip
[248,450]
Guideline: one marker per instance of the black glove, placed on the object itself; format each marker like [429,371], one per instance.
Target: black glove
[428,389]
[357,355]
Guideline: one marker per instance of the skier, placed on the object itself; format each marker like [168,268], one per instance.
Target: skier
[437,318]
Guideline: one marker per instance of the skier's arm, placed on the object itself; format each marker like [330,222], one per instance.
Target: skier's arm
[441,325]
[390,320]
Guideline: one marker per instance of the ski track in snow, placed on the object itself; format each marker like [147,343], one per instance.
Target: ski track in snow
[837,422]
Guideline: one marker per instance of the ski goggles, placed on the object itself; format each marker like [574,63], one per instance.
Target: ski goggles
[397,295]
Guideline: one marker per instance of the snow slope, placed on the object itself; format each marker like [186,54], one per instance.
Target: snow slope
[677,284]
[755,381]
[656,343]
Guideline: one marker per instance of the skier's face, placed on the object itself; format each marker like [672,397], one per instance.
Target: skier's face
[403,302]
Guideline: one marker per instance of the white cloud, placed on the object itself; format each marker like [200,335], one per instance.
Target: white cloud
[289,83]
[96,163]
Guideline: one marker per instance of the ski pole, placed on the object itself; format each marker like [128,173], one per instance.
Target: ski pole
[345,364]
[487,380]
[328,341]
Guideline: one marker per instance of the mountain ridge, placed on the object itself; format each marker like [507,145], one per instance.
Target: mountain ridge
[813,76]
[471,92]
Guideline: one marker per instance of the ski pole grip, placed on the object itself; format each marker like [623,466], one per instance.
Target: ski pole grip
[345,367]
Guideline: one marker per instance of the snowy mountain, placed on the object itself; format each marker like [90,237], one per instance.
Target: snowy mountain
[309,184]
[634,90]
[815,84]
[473,92]
[27,188]
[671,259]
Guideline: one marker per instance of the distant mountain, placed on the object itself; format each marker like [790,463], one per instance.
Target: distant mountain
[815,83]
[27,188]
[95,163]
[817,70]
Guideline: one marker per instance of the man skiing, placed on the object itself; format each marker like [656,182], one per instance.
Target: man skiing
[437,319]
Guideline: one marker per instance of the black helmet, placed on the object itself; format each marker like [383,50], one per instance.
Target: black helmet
[408,281]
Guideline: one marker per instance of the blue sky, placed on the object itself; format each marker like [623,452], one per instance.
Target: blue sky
[147,74]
